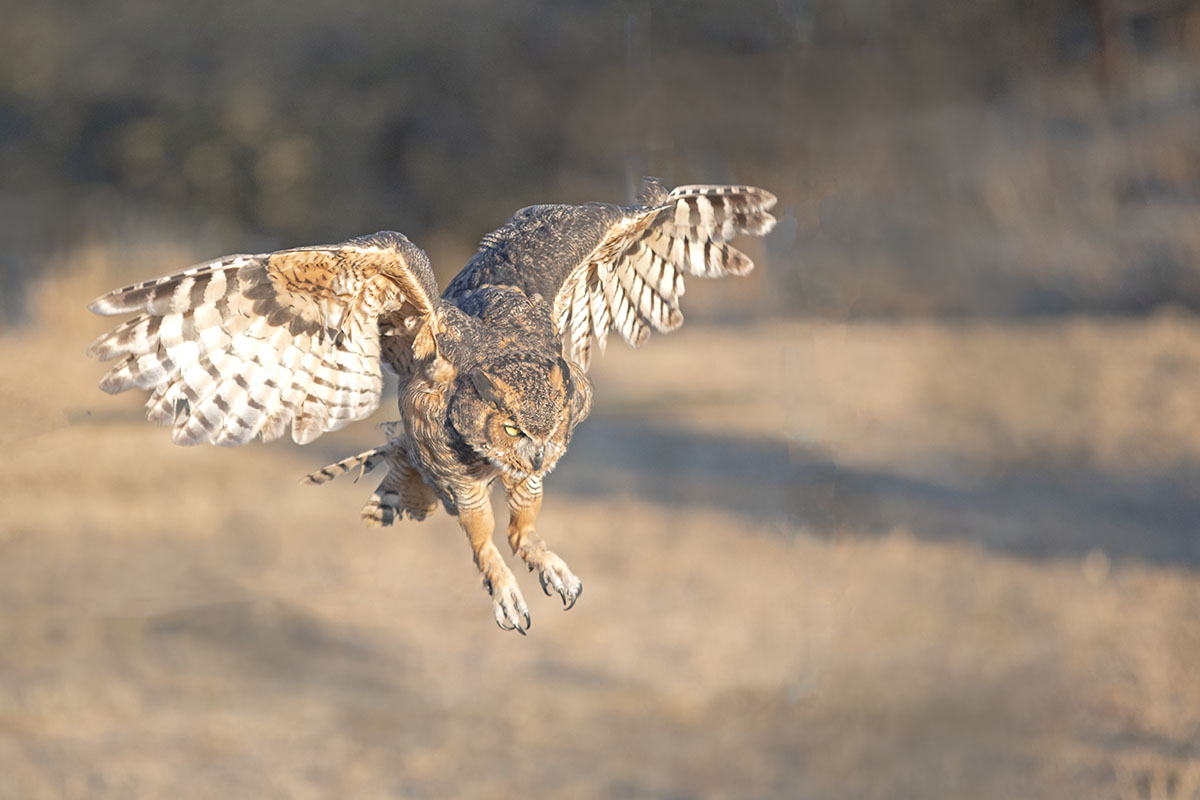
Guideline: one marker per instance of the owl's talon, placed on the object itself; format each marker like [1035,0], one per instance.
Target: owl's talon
[550,580]
[554,574]
[578,594]
[509,607]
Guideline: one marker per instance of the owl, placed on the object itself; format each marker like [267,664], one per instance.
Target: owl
[491,373]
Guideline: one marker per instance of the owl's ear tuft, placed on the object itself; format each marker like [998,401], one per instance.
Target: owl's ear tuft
[490,388]
[560,376]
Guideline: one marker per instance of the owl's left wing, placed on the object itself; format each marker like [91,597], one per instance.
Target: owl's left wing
[250,345]
[632,280]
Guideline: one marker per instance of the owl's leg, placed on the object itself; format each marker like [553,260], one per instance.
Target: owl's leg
[401,492]
[475,516]
[524,502]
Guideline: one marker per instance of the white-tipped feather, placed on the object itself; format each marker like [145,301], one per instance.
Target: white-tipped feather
[601,317]
[249,346]
[633,280]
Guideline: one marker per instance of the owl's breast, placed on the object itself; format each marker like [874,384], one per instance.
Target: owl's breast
[448,465]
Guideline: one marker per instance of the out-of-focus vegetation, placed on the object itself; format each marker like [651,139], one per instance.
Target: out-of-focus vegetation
[995,157]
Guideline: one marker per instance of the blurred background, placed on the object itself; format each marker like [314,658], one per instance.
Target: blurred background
[911,511]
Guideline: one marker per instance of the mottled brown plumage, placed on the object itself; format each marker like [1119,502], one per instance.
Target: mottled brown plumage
[491,374]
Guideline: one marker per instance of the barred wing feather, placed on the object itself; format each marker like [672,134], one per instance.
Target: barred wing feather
[255,345]
[632,281]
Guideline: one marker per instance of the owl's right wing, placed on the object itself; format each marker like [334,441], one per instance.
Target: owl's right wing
[250,345]
[632,280]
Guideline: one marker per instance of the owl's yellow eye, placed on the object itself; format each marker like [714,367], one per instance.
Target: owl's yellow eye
[512,430]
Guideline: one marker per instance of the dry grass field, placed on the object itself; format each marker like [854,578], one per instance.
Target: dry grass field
[866,560]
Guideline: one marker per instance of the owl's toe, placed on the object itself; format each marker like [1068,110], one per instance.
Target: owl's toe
[555,574]
[509,606]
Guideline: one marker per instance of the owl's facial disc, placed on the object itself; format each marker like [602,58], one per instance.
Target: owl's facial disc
[528,401]
[515,450]
[531,452]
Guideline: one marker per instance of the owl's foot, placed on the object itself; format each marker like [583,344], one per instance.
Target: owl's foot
[509,606]
[553,573]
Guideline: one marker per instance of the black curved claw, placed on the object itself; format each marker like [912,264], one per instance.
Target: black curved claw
[545,583]
[507,625]
[574,599]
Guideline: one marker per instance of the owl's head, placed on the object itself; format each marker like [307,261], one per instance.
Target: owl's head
[519,413]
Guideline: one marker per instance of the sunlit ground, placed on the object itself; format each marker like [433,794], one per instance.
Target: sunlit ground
[821,560]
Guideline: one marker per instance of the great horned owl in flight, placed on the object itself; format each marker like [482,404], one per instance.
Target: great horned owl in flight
[491,372]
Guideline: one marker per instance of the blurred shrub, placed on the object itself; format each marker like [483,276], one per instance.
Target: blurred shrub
[931,157]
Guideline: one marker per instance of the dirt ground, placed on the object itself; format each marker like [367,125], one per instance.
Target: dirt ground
[821,560]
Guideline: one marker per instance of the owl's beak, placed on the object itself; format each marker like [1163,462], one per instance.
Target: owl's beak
[539,457]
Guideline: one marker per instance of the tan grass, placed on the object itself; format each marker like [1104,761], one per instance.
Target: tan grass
[193,622]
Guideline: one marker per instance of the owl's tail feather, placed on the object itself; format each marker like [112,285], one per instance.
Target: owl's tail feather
[364,462]
[384,506]
[401,492]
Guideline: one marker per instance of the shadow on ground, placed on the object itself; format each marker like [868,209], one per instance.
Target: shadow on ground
[1033,512]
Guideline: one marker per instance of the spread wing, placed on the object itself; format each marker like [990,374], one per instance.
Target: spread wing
[249,345]
[632,280]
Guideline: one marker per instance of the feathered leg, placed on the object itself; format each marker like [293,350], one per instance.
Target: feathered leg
[475,517]
[402,491]
[524,502]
